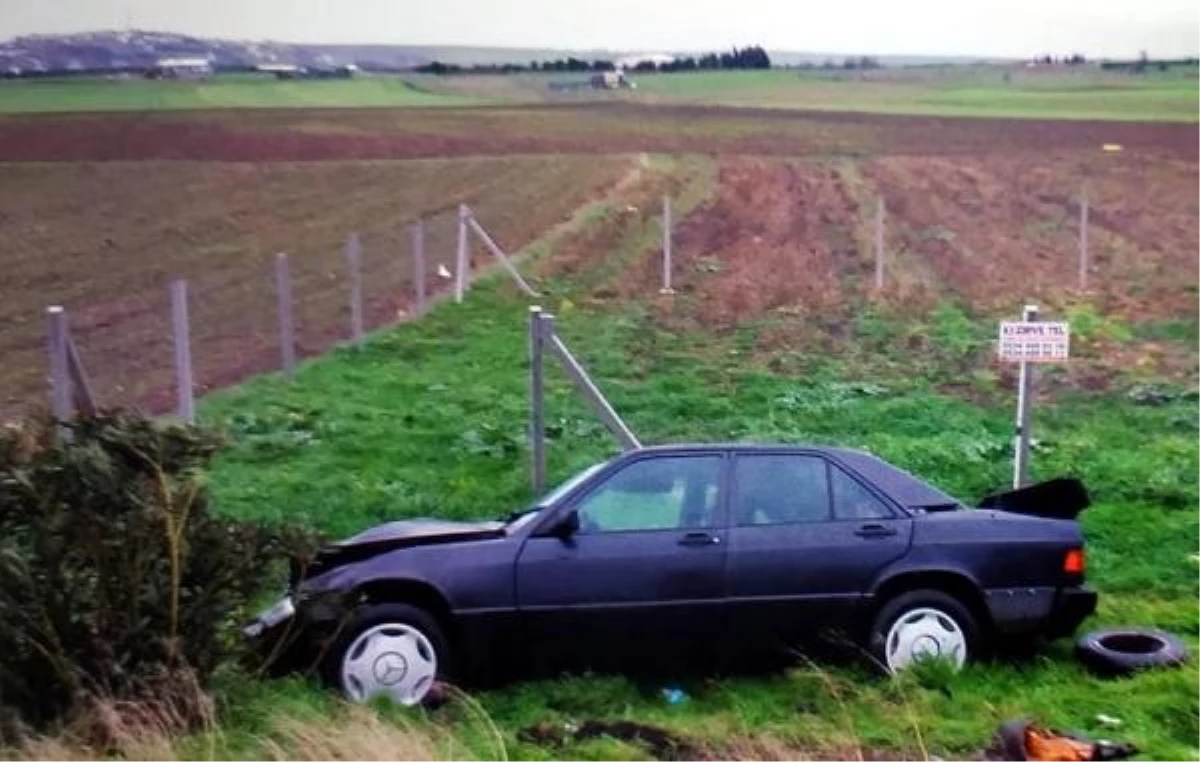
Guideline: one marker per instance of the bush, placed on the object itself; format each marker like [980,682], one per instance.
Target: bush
[113,570]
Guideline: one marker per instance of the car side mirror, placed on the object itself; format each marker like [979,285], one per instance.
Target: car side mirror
[566,526]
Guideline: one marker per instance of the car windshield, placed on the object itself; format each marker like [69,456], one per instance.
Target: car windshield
[518,519]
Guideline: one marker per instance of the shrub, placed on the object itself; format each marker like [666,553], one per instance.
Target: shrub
[113,570]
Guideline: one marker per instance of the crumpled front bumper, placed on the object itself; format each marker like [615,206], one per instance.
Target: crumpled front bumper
[268,619]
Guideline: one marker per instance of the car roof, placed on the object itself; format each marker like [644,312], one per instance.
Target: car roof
[905,488]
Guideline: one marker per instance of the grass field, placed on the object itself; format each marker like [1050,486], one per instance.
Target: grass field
[428,420]
[1170,97]
[955,91]
[226,91]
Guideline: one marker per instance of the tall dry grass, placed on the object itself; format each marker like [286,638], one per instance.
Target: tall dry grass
[358,735]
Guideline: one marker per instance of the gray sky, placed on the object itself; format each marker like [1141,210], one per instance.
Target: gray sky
[970,27]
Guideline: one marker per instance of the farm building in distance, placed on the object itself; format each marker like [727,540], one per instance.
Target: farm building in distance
[610,80]
[180,68]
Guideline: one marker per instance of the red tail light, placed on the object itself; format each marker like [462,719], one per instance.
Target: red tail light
[1074,561]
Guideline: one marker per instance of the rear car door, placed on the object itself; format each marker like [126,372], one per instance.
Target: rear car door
[806,539]
[645,567]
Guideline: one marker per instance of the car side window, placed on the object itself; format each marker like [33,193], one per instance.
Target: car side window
[780,489]
[854,502]
[654,494]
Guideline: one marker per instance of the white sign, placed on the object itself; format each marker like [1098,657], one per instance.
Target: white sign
[1034,342]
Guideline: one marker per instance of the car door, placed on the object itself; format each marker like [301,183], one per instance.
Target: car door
[806,539]
[644,568]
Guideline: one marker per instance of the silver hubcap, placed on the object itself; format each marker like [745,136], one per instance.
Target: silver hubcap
[392,660]
[922,634]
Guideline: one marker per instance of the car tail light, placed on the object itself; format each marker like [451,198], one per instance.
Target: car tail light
[1074,561]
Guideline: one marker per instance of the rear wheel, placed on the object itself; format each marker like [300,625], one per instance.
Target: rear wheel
[389,650]
[923,624]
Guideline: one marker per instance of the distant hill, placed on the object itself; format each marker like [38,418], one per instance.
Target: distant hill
[134,49]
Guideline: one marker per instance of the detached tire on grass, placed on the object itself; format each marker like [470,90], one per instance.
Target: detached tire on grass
[1123,651]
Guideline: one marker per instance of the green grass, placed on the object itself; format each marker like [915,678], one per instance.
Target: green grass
[428,419]
[232,91]
[969,92]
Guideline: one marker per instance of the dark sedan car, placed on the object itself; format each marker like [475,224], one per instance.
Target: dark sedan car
[731,545]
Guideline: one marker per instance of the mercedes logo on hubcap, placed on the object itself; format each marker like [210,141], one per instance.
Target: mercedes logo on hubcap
[390,668]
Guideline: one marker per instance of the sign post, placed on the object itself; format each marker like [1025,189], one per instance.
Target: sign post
[1026,342]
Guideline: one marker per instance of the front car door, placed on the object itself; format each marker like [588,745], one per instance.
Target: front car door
[806,540]
[645,567]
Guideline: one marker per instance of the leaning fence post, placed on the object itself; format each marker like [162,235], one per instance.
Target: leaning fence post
[666,263]
[587,387]
[81,386]
[879,217]
[287,331]
[418,234]
[537,399]
[1083,240]
[354,263]
[460,268]
[499,254]
[183,352]
[60,381]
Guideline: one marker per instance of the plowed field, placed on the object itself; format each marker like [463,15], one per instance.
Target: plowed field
[99,211]
[104,239]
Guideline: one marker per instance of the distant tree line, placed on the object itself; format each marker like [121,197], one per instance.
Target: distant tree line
[1075,59]
[849,63]
[1144,62]
[753,57]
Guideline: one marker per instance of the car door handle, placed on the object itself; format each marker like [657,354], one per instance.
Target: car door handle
[694,539]
[875,530]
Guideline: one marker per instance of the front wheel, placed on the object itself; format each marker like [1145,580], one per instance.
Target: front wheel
[922,624]
[389,650]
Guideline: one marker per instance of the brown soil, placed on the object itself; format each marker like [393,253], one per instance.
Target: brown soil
[778,235]
[105,239]
[324,135]
[983,211]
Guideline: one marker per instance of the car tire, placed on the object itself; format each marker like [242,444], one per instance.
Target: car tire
[922,623]
[1123,651]
[389,650]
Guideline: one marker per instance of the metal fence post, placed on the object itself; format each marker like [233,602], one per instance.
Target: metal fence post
[460,268]
[354,263]
[60,380]
[1024,403]
[1083,240]
[666,263]
[287,329]
[879,217]
[183,352]
[418,234]
[537,399]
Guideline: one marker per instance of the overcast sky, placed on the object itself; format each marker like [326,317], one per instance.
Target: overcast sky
[970,27]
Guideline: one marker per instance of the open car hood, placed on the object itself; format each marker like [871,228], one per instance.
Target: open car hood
[1063,498]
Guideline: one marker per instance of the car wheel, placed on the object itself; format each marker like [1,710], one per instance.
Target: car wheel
[389,650]
[922,624]
[1124,651]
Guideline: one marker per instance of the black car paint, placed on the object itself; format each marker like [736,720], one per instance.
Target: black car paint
[496,588]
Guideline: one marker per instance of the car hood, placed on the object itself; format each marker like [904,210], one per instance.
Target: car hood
[392,536]
[422,532]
